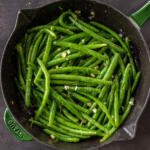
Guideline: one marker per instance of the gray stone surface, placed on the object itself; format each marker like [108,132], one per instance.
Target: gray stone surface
[8,11]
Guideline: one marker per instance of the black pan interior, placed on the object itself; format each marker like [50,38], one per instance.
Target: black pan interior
[104,14]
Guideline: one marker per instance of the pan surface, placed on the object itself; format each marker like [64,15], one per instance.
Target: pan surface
[104,14]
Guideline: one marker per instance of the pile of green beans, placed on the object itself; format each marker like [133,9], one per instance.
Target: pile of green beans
[79,77]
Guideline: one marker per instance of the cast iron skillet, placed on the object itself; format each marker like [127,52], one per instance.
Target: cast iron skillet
[104,14]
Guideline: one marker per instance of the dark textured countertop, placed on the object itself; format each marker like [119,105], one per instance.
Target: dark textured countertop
[8,12]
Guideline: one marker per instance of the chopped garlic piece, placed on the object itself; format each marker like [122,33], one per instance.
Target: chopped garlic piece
[76,87]
[64,54]
[94,110]
[92,13]
[92,75]
[78,12]
[52,136]
[68,52]
[131,102]
[83,40]
[66,87]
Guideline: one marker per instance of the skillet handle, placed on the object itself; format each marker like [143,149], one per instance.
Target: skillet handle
[142,15]
[15,129]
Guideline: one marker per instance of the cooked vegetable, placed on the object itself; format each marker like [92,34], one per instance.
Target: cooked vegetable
[79,77]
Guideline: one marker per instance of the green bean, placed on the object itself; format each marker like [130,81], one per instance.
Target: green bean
[113,33]
[95,46]
[93,61]
[97,62]
[124,84]
[105,137]
[28,44]
[75,83]
[37,28]
[96,36]
[52,113]
[62,116]
[48,32]
[61,60]
[80,78]
[112,92]
[64,64]
[60,130]
[128,109]
[84,70]
[76,126]
[137,77]
[102,107]
[88,26]
[62,137]
[122,65]
[40,27]
[102,116]
[20,77]
[78,107]
[120,61]
[22,58]
[73,134]
[47,89]
[116,103]
[55,52]
[69,116]
[63,24]
[65,53]
[42,43]
[30,73]
[70,134]
[89,62]
[94,122]
[129,93]
[77,131]
[127,42]
[112,131]
[105,120]
[37,98]
[63,102]
[80,97]
[95,116]
[75,37]
[79,88]
[100,97]
[80,48]
[45,58]
[103,49]
[61,29]
[103,72]
[112,67]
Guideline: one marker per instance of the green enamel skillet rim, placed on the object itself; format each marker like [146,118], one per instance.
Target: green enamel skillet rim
[138,18]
